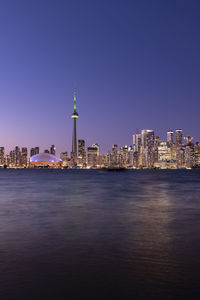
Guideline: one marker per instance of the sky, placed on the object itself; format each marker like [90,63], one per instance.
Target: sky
[135,65]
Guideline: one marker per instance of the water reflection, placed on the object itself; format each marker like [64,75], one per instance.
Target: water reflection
[128,235]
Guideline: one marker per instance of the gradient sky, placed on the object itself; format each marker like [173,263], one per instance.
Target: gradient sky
[135,64]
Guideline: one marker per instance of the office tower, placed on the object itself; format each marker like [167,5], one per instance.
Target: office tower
[37,150]
[188,140]
[179,137]
[137,141]
[81,153]
[8,160]
[12,158]
[170,138]
[92,157]
[53,150]
[98,148]
[46,151]
[2,157]
[113,159]
[81,148]
[17,156]
[64,158]
[124,156]
[24,155]
[32,152]
[147,138]
[189,155]
[147,148]
[64,155]
[197,154]
[74,139]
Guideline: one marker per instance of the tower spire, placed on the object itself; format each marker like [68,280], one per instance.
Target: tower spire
[74,100]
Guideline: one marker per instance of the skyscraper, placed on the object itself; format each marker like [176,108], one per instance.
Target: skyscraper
[81,153]
[2,158]
[53,150]
[74,138]
[170,138]
[24,154]
[92,155]
[147,147]
[179,137]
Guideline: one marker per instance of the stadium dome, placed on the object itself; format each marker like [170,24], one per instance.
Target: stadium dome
[45,160]
[44,157]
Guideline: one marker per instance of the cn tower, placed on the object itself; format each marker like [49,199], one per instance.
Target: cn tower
[74,139]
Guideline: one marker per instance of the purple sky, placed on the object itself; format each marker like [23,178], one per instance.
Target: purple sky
[135,64]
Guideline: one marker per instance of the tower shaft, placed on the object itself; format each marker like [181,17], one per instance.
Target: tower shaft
[74,142]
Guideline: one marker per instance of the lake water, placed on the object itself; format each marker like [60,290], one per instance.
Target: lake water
[89,234]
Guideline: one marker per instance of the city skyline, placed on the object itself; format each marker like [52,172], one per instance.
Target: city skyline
[134,66]
[147,151]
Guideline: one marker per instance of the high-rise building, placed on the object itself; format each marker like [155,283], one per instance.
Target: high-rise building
[147,148]
[114,156]
[170,137]
[137,141]
[34,151]
[92,157]
[197,154]
[64,158]
[2,156]
[17,156]
[24,158]
[188,140]
[46,151]
[179,137]
[98,148]
[53,150]
[37,150]
[74,138]
[147,138]
[81,153]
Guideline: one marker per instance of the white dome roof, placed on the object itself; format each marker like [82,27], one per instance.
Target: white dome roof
[45,157]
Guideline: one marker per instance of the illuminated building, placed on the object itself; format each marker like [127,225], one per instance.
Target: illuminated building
[92,155]
[34,151]
[81,153]
[98,148]
[24,158]
[74,139]
[2,157]
[170,137]
[147,148]
[188,140]
[180,157]
[179,137]
[53,150]
[114,157]
[124,156]
[137,141]
[189,156]
[197,154]
[17,156]
[64,158]
[45,160]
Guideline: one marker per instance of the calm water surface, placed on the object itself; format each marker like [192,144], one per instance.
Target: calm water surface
[77,234]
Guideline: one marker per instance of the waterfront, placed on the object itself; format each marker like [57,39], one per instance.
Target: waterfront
[90,234]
